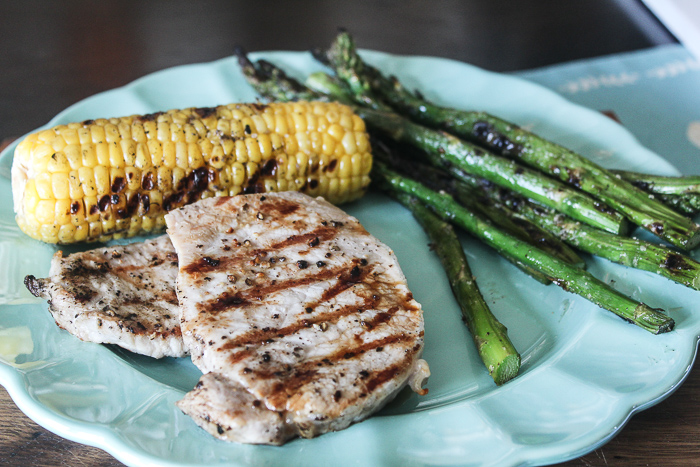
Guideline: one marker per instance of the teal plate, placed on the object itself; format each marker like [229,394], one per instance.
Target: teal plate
[584,372]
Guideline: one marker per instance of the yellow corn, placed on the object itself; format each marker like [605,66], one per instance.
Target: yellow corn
[113,178]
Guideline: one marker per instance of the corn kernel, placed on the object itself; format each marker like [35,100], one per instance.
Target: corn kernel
[265,146]
[42,182]
[169,154]
[332,116]
[102,185]
[74,187]
[281,126]
[84,135]
[181,155]
[303,142]
[162,131]
[109,224]
[88,154]
[66,233]
[191,135]
[41,151]
[331,192]
[270,185]
[200,128]
[178,178]
[133,178]
[46,136]
[251,169]
[116,156]
[336,131]
[253,149]
[128,147]
[217,159]
[302,163]
[194,155]
[224,126]
[70,135]
[49,233]
[58,163]
[366,163]
[155,149]
[349,143]
[31,197]
[290,144]
[60,186]
[81,232]
[177,134]
[45,211]
[87,181]
[58,143]
[95,228]
[97,134]
[62,211]
[316,140]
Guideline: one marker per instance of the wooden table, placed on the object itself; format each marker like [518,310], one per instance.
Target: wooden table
[56,53]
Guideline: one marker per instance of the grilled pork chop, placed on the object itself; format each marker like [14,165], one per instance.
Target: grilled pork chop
[301,320]
[122,295]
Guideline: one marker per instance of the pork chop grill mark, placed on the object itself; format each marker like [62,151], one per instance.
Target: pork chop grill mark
[227,300]
[304,374]
[204,265]
[258,336]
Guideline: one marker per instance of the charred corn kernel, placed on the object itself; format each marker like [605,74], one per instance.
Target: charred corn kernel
[217,158]
[112,178]
[251,169]
[133,178]
[194,156]
[178,177]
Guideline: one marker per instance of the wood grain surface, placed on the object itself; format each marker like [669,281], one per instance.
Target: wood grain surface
[56,53]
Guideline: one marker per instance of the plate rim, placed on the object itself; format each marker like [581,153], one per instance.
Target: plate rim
[12,380]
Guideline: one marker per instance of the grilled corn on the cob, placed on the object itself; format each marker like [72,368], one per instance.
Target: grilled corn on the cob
[114,178]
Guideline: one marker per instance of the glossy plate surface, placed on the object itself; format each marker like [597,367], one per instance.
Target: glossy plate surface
[584,370]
